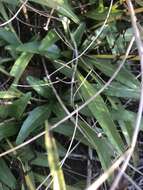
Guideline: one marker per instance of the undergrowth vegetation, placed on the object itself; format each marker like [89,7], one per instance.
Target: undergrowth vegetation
[69,71]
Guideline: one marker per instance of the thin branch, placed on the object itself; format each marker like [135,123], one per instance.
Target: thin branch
[140,109]
[76,110]
[15,15]
[90,44]
[48,21]
[132,181]
[107,173]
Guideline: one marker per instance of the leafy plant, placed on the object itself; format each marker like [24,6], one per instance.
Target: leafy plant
[48,75]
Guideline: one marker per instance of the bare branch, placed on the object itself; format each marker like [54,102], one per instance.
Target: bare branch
[15,15]
[140,109]
[76,110]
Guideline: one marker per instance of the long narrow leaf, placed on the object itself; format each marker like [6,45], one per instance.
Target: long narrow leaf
[6,176]
[35,119]
[62,6]
[101,114]
[53,158]
[124,76]
[20,65]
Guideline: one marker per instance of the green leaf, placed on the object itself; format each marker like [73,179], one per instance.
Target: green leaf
[101,15]
[20,65]
[29,47]
[52,52]
[101,145]
[10,2]
[119,90]
[3,11]
[127,130]
[78,33]
[8,36]
[40,178]
[86,135]
[36,118]
[126,120]
[124,76]
[3,187]
[9,94]
[40,86]
[48,40]
[15,109]
[40,160]
[72,187]
[61,6]
[6,176]
[20,105]
[66,70]
[125,115]
[89,138]
[102,114]
[8,129]
[53,3]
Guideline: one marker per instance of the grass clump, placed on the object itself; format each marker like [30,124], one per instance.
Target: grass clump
[74,67]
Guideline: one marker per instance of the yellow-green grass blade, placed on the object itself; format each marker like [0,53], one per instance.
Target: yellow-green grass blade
[20,66]
[53,159]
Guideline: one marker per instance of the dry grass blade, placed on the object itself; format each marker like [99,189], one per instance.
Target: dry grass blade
[56,171]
